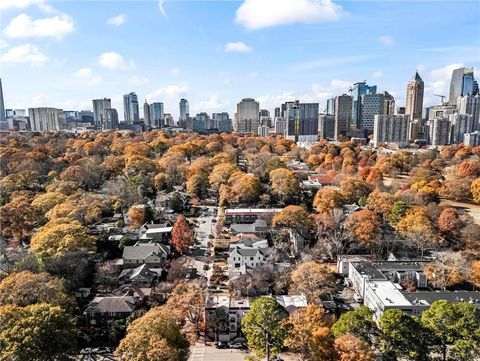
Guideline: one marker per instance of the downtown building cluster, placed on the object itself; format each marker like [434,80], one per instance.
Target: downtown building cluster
[364,114]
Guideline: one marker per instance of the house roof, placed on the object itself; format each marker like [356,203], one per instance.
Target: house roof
[142,251]
[142,270]
[119,304]
[154,230]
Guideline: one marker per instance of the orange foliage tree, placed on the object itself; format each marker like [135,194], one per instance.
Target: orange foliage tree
[182,236]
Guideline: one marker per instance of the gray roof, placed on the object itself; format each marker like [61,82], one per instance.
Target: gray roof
[428,297]
[120,304]
[242,228]
[142,270]
[142,251]
[249,252]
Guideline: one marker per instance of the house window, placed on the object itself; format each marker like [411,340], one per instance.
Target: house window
[251,258]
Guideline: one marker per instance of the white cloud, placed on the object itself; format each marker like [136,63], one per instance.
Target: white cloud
[38,100]
[257,14]
[209,105]
[86,76]
[114,61]
[321,63]
[237,47]
[162,8]
[18,4]
[3,44]
[138,81]
[26,53]
[437,81]
[175,71]
[386,40]
[253,74]
[23,26]
[377,74]
[117,20]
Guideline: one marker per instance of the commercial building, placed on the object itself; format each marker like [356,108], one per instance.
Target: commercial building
[326,126]
[343,115]
[371,105]
[472,139]
[391,129]
[461,124]
[200,122]
[99,107]
[359,89]
[263,131]
[111,119]
[2,104]
[46,119]
[302,121]
[462,83]
[414,100]
[389,104]
[469,104]
[86,116]
[184,113]
[247,118]
[147,118]
[330,106]
[280,125]
[222,122]
[157,115]
[439,131]
[130,108]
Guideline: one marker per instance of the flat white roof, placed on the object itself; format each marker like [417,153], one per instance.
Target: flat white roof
[388,294]
[252,210]
[159,230]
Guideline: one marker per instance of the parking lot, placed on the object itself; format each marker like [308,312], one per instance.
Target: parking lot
[210,353]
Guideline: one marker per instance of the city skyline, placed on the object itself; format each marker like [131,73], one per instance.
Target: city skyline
[98,50]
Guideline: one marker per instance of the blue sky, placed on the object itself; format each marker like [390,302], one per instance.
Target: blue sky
[65,53]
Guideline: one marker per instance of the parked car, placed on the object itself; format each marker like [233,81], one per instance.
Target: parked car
[238,345]
[221,345]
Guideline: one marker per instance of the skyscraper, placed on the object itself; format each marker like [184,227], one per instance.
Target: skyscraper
[462,83]
[2,104]
[247,117]
[99,108]
[280,125]
[46,119]
[326,126]
[147,118]
[200,122]
[184,113]
[388,104]
[414,100]
[111,119]
[222,122]
[130,108]
[359,89]
[371,105]
[469,104]
[157,115]
[461,124]
[331,106]
[391,129]
[343,115]
[302,121]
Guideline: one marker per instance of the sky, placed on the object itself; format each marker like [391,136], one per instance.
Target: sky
[214,53]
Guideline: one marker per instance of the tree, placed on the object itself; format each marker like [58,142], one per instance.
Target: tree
[189,302]
[294,217]
[402,336]
[155,336]
[312,279]
[284,183]
[75,268]
[182,237]
[60,236]
[455,328]
[27,288]
[358,323]
[351,348]
[449,222]
[326,200]
[475,189]
[264,326]
[138,214]
[309,334]
[197,185]
[365,226]
[475,273]
[221,173]
[352,189]
[417,227]
[445,272]
[468,168]
[39,332]
[397,212]
[380,203]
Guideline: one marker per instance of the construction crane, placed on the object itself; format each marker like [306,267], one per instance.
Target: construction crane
[440,96]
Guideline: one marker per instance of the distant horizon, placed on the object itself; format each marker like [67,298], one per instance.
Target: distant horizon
[64,54]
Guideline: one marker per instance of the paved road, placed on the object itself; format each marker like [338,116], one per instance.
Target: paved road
[201,352]
[202,233]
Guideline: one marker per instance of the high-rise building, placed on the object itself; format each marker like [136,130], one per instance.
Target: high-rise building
[331,106]
[461,124]
[280,125]
[168,119]
[200,122]
[371,105]
[247,117]
[184,113]
[266,120]
[147,116]
[391,129]
[71,116]
[326,126]
[388,104]
[157,115]
[414,100]
[263,131]
[343,115]
[277,112]
[302,121]
[359,89]
[99,107]
[2,104]
[111,119]
[222,122]
[439,131]
[130,108]
[462,83]
[469,104]
[46,119]
[86,116]
[472,139]
[440,111]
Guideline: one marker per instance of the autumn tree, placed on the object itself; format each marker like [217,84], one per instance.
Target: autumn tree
[475,189]
[18,218]
[352,189]
[326,200]
[312,279]
[475,273]
[445,272]
[36,332]
[351,348]
[380,203]
[197,185]
[309,334]
[264,326]
[417,227]
[155,336]
[138,214]
[358,323]
[294,217]
[284,183]
[182,237]
[468,168]
[221,173]
[60,236]
[364,226]
[449,222]
[27,288]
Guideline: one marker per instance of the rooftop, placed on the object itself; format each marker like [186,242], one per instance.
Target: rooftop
[252,210]
[388,294]
[368,270]
[427,298]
